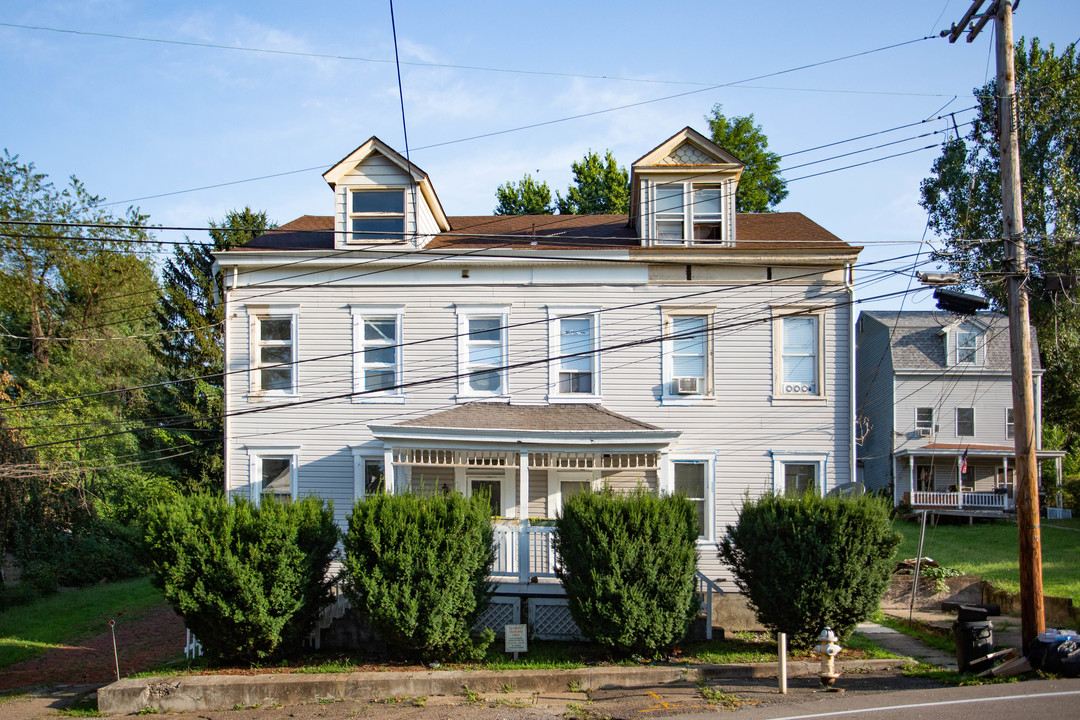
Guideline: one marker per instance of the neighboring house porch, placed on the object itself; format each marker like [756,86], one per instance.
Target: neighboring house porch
[969,479]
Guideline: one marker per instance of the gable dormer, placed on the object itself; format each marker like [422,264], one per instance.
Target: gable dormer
[965,343]
[381,198]
[682,192]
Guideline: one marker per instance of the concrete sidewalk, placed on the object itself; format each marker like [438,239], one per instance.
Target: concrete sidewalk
[906,646]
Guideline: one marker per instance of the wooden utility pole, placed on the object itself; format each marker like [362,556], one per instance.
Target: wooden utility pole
[1032,617]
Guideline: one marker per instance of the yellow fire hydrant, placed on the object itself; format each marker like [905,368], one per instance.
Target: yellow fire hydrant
[828,649]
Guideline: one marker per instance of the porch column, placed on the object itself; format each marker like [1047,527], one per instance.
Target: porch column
[1060,482]
[911,477]
[388,471]
[959,482]
[523,514]
[1005,480]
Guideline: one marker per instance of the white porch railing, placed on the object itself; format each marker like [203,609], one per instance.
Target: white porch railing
[522,553]
[960,500]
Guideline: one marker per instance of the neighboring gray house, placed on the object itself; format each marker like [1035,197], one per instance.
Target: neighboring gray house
[934,396]
[682,348]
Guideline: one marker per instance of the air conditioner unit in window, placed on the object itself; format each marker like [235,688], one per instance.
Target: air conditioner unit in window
[688,385]
[924,432]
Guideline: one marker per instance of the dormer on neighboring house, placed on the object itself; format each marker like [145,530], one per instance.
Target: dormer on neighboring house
[965,343]
[380,197]
[682,192]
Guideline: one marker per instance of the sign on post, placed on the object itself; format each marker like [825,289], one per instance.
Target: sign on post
[516,638]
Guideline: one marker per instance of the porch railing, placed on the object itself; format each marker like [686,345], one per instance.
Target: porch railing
[522,553]
[960,500]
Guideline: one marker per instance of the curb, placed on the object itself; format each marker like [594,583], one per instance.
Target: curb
[191,693]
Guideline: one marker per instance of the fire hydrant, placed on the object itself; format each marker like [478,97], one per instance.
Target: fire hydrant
[828,650]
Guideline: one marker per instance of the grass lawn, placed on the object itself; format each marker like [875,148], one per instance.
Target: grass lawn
[70,615]
[991,551]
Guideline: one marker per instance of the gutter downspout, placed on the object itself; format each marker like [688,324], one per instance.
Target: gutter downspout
[849,272]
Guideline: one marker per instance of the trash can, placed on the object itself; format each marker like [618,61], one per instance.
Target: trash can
[974,641]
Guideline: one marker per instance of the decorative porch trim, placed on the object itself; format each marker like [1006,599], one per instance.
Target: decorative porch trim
[454,458]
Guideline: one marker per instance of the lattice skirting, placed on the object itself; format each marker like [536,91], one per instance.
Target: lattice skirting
[550,619]
[501,612]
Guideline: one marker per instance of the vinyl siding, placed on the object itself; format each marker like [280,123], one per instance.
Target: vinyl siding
[989,395]
[874,400]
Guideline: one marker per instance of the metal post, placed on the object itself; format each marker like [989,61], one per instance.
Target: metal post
[781,646]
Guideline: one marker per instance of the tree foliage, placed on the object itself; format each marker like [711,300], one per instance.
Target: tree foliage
[761,187]
[600,187]
[525,197]
[963,199]
[628,564]
[809,562]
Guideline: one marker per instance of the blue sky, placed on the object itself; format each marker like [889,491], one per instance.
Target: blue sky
[134,119]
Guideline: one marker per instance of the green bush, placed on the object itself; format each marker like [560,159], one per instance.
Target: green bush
[628,564]
[417,569]
[807,562]
[249,581]
[91,551]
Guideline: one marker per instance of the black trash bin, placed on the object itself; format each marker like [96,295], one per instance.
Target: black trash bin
[974,641]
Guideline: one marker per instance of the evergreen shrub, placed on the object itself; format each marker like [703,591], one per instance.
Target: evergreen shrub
[249,581]
[627,562]
[417,569]
[807,562]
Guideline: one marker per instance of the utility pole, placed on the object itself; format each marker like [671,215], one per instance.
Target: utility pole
[1032,615]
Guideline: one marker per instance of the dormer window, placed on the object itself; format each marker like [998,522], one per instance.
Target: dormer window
[377,215]
[687,210]
[970,345]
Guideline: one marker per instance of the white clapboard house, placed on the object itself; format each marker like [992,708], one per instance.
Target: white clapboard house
[683,349]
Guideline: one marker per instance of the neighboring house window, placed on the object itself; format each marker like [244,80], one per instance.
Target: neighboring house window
[693,479]
[796,472]
[272,474]
[687,356]
[798,364]
[970,345]
[1010,426]
[377,363]
[965,421]
[376,215]
[924,420]
[272,348]
[482,350]
[686,210]
[573,345]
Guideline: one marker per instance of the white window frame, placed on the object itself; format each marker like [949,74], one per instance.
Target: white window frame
[973,423]
[708,460]
[360,456]
[668,396]
[780,389]
[555,479]
[977,353]
[256,315]
[361,314]
[686,216]
[1010,424]
[351,215]
[783,458]
[256,455]
[555,317]
[464,314]
[933,419]
[506,489]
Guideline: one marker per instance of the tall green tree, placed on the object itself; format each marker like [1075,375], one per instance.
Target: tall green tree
[963,199]
[600,187]
[191,350]
[761,187]
[526,197]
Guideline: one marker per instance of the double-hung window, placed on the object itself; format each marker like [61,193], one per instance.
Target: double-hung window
[693,480]
[924,420]
[965,421]
[796,473]
[377,355]
[1010,425]
[687,212]
[272,474]
[687,355]
[377,215]
[969,345]
[797,356]
[482,350]
[272,332]
[573,345]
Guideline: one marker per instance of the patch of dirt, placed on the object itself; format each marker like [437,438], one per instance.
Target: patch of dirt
[141,644]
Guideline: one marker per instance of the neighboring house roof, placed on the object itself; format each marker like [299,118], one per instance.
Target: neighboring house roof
[543,418]
[917,343]
[786,231]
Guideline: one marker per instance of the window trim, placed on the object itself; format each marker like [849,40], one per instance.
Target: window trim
[555,479]
[973,425]
[782,458]
[555,316]
[978,352]
[778,354]
[933,418]
[256,455]
[1010,424]
[667,356]
[361,313]
[360,455]
[708,533]
[256,315]
[464,314]
[350,215]
[687,218]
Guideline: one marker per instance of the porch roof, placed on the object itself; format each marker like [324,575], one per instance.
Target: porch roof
[956,450]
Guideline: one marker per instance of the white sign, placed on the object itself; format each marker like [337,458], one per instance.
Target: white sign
[517,638]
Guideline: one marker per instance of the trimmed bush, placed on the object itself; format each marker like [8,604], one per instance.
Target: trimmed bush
[249,581]
[417,569]
[628,563]
[806,562]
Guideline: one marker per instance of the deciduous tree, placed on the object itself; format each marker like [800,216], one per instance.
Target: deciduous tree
[526,197]
[600,187]
[761,187]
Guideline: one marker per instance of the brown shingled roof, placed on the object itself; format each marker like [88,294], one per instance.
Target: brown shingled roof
[549,418]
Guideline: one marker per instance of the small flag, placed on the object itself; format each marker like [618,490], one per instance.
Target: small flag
[963,463]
